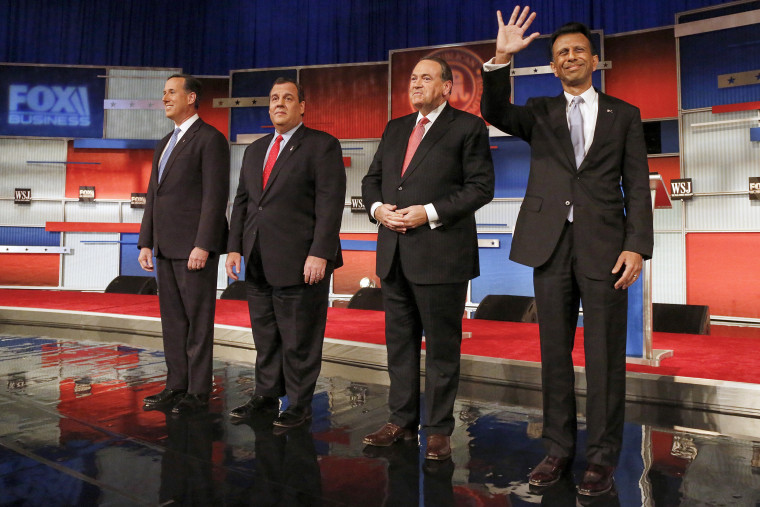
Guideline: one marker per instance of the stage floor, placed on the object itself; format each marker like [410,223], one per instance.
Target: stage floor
[73,432]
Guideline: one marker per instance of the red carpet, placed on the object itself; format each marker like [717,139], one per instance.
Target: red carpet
[730,353]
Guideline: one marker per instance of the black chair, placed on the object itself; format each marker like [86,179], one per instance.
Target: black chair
[125,284]
[367,298]
[507,308]
[236,290]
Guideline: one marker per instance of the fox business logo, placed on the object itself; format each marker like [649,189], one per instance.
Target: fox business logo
[62,106]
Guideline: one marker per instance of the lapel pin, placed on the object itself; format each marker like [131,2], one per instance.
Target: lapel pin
[609,110]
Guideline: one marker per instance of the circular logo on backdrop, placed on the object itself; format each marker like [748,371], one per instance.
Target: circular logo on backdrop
[466,68]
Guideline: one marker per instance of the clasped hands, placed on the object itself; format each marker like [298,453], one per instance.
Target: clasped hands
[401,220]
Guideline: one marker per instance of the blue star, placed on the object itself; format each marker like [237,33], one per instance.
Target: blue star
[757,76]
[731,80]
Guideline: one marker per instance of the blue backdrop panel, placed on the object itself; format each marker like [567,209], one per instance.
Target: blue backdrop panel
[128,253]
[706,56]
[252,120]
[539,54]
[669,136]
[28,236]
[498,274]
[511,161]
[51,101]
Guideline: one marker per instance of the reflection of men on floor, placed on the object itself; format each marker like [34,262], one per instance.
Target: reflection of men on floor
[186,477]
[403,487]
[430,174]
[185,225]
[286,221]
[585,225]
[287,471]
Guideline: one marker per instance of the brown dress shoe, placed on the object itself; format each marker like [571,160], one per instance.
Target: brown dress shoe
[549,471]
[597,480]
[438,447]
[389,434]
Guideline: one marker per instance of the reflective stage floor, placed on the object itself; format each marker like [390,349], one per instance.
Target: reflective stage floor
[73,432]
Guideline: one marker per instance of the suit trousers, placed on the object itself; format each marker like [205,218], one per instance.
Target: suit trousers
[437,309]
[188,303]
[559,287]
[288,325]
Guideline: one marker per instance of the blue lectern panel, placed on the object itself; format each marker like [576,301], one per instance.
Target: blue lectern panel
[635,343]
[128,252]
[706,56]
[256,83]
[511,161]
[498,274]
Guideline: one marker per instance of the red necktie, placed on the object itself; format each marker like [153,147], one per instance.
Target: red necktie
[271,159]
[414,142]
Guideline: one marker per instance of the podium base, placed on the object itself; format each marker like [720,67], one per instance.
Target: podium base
[657,356]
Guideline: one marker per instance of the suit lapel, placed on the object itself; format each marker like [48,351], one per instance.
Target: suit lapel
[402,139]
[558,118]
[605,117]
[180,146]
[439,127]
[282,160]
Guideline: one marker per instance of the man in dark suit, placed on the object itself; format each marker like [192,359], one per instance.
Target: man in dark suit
[585,226]
[430,174]
[286,221]
[185,223]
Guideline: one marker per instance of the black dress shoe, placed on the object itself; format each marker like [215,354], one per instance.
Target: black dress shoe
[165,398]
[191,403]
[255,404]
[292,417]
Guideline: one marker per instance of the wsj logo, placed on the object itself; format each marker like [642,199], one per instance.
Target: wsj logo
[681,189]
[62,106]
[357,205]
[22,195]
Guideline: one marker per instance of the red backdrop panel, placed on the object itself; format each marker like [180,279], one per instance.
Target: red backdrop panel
[644,72]
[29,269]
[119,173]
[348,101]
[668,167]
[219,117]
[721,272]
[466,64]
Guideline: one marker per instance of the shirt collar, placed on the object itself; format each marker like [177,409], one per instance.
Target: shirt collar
[185,125]
[589,97]
[432,115]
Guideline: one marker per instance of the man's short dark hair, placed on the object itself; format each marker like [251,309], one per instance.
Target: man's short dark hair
[192,85]
[283,80]
[568,28]
[446,74]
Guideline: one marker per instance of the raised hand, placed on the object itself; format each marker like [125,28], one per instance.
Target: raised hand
[511,37]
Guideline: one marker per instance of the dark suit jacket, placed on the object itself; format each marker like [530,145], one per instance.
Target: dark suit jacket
[300,211]
[189,207]
[606,220]
[453,170]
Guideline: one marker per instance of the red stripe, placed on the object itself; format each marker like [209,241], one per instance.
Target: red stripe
[346,161]
[91,227]
[730,108]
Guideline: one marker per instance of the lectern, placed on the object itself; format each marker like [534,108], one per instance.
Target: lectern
[639,347]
